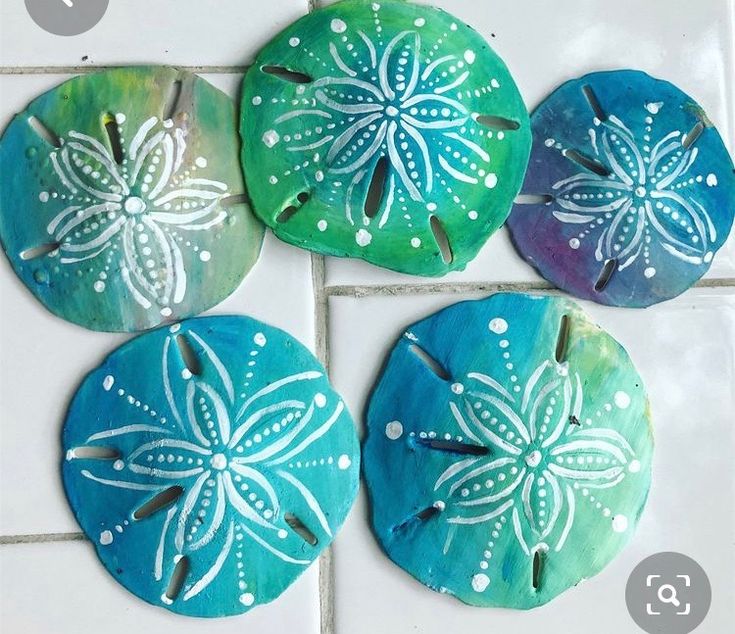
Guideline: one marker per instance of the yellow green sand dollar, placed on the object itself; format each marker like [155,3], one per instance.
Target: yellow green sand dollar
[509,449]
[122,203]
[384,131]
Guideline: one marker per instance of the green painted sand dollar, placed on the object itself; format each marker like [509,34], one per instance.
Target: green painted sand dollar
[385,131]
[509,450]
[122,203]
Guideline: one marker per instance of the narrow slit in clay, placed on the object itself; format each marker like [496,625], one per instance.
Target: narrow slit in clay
[188,356]
[178,577]
[588,163]
[455,447]
[158,502]
[497,123]
[232,201]
[533,199]
[605,275]
[594,102]
[44,132]
[172,101]
[421,516]
[298,527]
[39,251]
[442,241]
[562,339]
[96,453]
[430,362]
[289,212]
[538,567]
[287,74]
[693,134]
[377,188]
[113,135]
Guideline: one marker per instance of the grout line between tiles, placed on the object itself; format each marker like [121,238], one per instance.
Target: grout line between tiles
[377,290]
[40,538]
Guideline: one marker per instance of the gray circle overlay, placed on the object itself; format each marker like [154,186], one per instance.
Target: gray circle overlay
[66,17]
[668,593]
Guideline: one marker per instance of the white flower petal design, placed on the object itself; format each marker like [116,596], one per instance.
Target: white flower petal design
[644,198]
[232,459]
[136,208]
[537,457]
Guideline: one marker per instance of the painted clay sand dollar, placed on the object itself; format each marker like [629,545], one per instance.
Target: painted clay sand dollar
[210,463]
[508,454]
[385,131]
[122,202]
[629,193]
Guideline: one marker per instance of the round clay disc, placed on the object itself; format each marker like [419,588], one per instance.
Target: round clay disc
[122,202]
[629,193]
[210,463]
[385,131]
[508,454]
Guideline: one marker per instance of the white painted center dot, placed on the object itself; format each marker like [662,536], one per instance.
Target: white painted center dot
[344,462]
[498,326]
[620,523]
[247,599]
[480,582]
[219,461]
[622,400]
[533,459]
[106,538]
[394,430]
[391,111]
[135,205]
[640,192]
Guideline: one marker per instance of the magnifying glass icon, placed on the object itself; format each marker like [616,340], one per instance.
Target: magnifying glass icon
[667,594]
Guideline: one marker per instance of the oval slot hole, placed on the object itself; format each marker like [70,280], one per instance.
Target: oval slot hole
[588,163]
[497,123]
[693,134]
[113,135]
[534,199]
[92,452]
[288,213]
[298,527]
[594,102]
[232,201]
[377,188]
[42,131]
[442,241]
[430,362]
[178,577]
[455,447]
[422,516]
[538,567]
[287,74]
[562,339]
[607,272]
[172,101]
[188,356]
[156,503]
[39,251]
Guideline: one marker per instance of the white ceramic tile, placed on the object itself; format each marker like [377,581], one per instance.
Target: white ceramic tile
[175,32]
[546,43]
[63,589]
[43,359]
[684,352]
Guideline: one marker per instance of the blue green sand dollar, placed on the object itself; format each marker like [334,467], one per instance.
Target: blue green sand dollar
[122,203]
[210,462]
[385,131]
[508,454]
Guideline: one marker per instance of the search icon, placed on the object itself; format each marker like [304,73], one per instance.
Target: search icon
[667,594]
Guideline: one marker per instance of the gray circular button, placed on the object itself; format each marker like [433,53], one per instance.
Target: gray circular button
[66,17]
[668,593]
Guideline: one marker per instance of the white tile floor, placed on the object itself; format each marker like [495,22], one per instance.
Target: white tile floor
[349,313]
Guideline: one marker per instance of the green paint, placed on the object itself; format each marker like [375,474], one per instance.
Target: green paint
[390,85]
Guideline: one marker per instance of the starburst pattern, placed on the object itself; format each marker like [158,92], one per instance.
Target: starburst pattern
[134,208]
[645,197]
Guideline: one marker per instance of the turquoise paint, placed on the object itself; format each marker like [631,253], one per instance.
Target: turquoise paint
[252,433]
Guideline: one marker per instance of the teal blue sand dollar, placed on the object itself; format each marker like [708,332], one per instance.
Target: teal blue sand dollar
[209,462]
[387,131]
[122,202]
[509,449]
